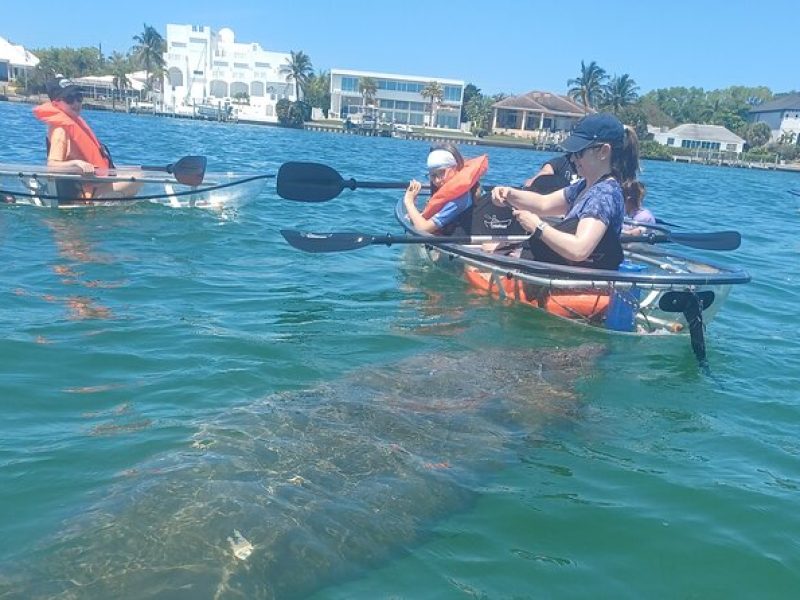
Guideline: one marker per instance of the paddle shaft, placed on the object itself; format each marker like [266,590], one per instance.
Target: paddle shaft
[338,242]
[352,184]
[695,240]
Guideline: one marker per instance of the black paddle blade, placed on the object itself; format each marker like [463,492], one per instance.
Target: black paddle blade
[692,305]
[713,240]
[717,240]
[189,170]
[308,182]
[325,242]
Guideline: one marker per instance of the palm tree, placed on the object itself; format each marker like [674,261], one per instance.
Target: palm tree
[118,68]
[619,92]
[298,69]
[434,92]
[318,91]
[149,53]
[479,111]
[368,88]
[787,137]
[588,87]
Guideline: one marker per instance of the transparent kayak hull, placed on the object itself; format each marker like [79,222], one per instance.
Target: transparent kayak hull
[36,185]
[665,293]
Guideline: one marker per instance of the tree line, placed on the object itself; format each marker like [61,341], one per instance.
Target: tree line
[593,88]
[146,54]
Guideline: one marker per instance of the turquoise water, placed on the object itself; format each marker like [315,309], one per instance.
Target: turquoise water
[374,429]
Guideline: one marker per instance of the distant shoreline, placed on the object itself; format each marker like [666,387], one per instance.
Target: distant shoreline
[444,137]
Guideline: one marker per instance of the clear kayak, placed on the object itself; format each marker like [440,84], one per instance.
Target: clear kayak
[655,292]
[41,186]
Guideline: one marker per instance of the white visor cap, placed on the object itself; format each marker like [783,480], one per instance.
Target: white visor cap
[441,159]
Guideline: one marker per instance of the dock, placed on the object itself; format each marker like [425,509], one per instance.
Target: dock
[737,163]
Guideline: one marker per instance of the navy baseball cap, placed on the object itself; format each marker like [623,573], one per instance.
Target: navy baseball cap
[62,87]
[600,128]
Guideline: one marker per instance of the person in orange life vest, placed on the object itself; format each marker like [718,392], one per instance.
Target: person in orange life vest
[72,146]
[606,155]
[454,187]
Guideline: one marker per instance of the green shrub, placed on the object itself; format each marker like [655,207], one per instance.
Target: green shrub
[290,114]
[655,151]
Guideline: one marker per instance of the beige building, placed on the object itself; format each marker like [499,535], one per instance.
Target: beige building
[543,116]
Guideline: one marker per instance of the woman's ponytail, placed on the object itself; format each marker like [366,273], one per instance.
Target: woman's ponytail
[625,168]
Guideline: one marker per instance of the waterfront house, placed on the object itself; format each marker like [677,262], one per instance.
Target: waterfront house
[711,138]
[783,117]
[15,62]
[207,68]
[542,116]
[102,86]
[398,98]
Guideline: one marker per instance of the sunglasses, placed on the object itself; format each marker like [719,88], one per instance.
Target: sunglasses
[437,173]
[73,98]
[579,154]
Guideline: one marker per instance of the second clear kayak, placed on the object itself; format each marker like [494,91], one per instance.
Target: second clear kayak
[42,186]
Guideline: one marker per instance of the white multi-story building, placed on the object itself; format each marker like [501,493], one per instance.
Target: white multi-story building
[397,98]
[205,67]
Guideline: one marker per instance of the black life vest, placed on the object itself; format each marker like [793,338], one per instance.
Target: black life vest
[606,255]
[484,218]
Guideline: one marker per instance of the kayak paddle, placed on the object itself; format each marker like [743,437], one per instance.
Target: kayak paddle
[660,224]
[189,170]
[338,242]
[314,182]
[713,240]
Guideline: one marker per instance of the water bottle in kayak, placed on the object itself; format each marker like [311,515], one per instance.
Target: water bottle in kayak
[624,302]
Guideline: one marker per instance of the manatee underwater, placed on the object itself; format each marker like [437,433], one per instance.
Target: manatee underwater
[299,490]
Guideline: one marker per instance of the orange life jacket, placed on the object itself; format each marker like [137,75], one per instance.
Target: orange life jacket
[458,185]
[83,143]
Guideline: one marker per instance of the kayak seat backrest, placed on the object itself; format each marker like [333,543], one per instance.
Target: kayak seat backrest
[67,190]
[484,218]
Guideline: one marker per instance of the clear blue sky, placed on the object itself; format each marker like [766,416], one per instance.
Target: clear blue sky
[511,46]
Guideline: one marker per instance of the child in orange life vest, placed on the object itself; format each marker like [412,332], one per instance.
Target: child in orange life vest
[72,145]
[454,182]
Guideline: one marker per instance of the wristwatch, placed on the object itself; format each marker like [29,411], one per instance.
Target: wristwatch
[537,234]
